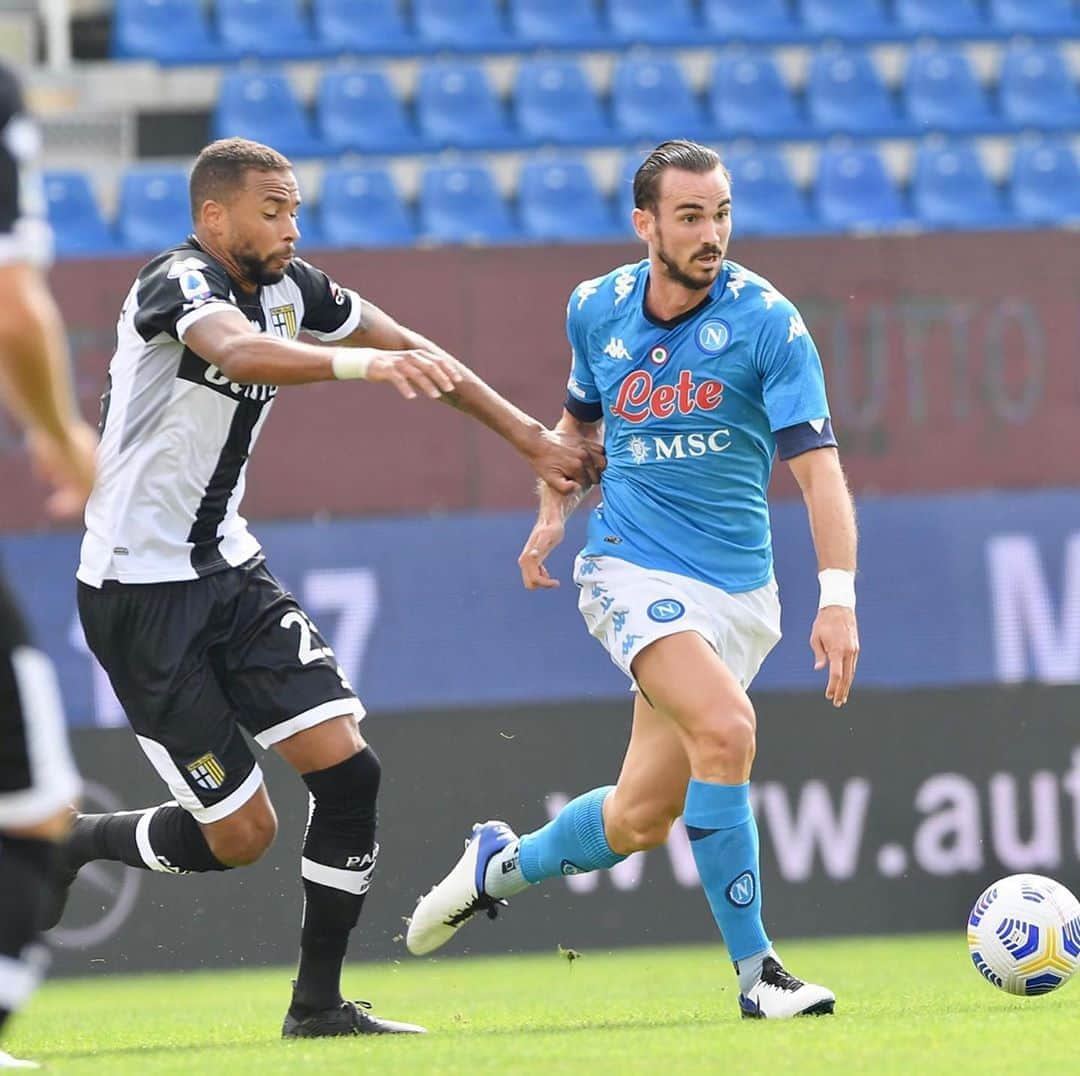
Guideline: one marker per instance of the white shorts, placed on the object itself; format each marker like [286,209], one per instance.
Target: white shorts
[627,607]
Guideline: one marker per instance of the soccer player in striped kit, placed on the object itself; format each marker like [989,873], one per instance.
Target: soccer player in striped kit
[177,603]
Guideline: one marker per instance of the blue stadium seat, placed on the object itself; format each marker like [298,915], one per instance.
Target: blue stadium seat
[460,204]
[1045,185]
[856,20]
[155,210]
[951,189]
[942,93]
[645,22]
[748,97]
[269,29]
[168,31]
[364,27]
[571,24]
[357,110]
[1036,89]
[651,99]
[768,21]
[1051,17]
[555,102]
[943,18]
[559,201]
[456,106]
[845,94]
[854,192]
[463,25]
[361,207]
[262,106]
[764,197]
[76,220]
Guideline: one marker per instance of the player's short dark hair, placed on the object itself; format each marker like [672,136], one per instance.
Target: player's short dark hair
[221,167]
[678,153]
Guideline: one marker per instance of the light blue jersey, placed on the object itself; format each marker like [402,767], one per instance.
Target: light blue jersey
[691,408]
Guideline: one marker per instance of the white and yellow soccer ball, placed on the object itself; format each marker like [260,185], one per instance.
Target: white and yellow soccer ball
[1024,934]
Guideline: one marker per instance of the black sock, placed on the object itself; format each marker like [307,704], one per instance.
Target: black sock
[26,883]
[169,841]
[337,865]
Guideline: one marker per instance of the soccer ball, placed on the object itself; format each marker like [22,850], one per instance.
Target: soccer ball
[1024,934]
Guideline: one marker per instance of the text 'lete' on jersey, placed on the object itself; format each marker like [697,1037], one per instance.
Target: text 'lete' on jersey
[690,410]
[176,433]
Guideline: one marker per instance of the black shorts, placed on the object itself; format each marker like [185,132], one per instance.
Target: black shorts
[196,661]
[37,775]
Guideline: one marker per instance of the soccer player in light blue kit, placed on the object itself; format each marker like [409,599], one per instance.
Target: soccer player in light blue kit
[695,371]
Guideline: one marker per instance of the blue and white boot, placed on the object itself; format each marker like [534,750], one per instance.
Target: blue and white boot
[461,894]
[778,995]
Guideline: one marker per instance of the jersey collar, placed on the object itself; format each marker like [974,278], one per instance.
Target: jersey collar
[717,289]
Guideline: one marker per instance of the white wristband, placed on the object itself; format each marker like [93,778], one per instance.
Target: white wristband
[351,363]
[837,588]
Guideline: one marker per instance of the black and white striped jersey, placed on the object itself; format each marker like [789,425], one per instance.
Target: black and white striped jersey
[24,233]
[176,434]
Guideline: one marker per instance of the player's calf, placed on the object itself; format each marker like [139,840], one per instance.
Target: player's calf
[337,866]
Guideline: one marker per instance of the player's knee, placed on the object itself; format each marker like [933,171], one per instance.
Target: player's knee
[729,740]
[245,841]
[346,795]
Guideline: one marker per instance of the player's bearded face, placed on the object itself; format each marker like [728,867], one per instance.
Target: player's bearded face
[263,228]
[692,226]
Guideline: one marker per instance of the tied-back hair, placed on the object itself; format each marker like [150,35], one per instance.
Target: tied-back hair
[220,168]
[677,153]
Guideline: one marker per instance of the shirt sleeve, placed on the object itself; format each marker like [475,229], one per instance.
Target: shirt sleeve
[793,383]
[179,290]
[582,395]
[331,312]
[24,232]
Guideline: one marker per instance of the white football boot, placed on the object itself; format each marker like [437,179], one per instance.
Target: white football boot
[9,1062]
[778,995]
[460,895]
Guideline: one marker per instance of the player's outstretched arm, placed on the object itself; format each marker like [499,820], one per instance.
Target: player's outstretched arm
[562,457]
[834,637]
[555,509]
[244,355]
[35,385]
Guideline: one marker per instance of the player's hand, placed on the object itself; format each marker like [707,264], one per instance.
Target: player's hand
[834,639]
[432,373]
[546,535]
[567,462]
[68,466]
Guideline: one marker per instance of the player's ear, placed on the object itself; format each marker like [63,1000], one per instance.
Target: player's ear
[211,215]
[642,220]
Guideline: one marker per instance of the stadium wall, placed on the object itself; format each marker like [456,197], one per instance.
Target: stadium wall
[429,613]
[888,816]
[949,359]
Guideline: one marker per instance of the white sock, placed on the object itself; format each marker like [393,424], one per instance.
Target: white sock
[749,968]
[502,876]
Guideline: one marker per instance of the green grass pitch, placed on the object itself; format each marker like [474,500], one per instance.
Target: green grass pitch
[907,1005]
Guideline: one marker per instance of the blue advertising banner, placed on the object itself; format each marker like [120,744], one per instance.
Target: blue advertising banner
[429,613]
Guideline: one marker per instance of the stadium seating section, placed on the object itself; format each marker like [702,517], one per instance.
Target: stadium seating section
[548,84]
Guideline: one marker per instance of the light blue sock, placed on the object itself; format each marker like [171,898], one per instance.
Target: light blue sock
[573,842]
[724,839]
